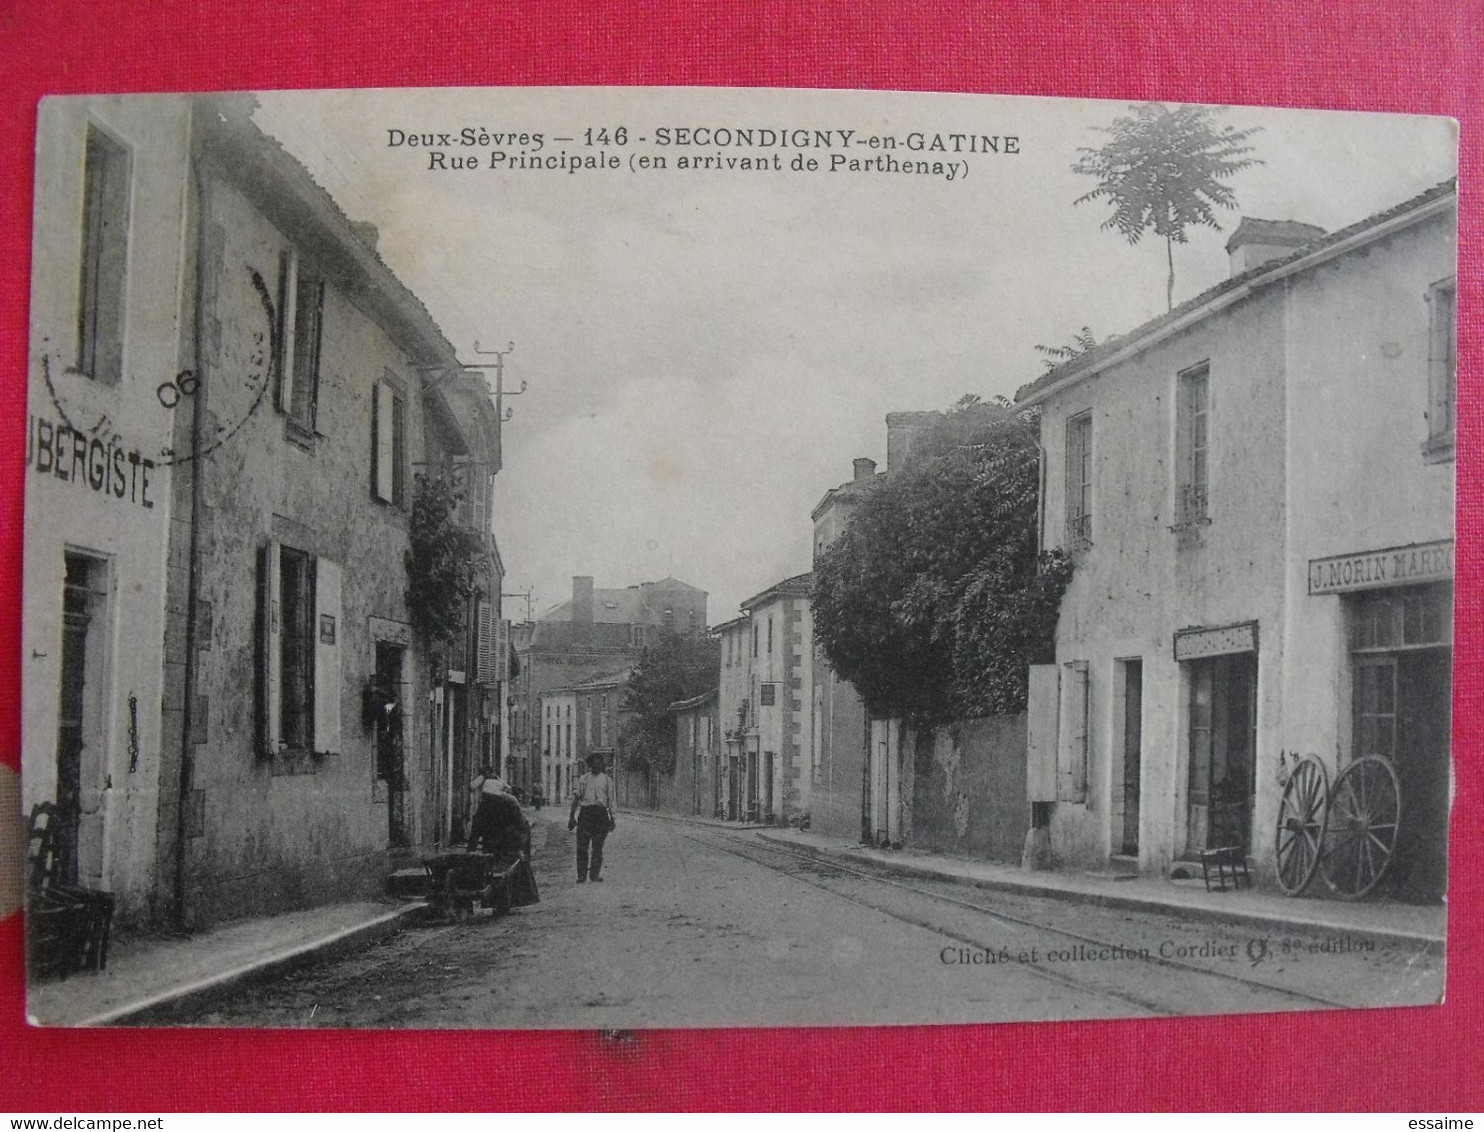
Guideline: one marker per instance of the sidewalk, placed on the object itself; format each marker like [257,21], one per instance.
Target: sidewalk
[146,975]
[1407,925]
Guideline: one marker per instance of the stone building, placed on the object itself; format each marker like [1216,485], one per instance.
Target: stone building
[1257,489]
[767,663]
[267,391]
[597,631]
[697,785]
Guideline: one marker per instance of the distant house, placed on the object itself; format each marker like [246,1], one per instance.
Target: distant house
[696,785]
[597,631]
[1258,491]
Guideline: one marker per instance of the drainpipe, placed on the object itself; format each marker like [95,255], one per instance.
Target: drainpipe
[193,597]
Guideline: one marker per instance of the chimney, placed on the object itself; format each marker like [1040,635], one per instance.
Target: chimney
[864,468]
[582,608]
[1256,242]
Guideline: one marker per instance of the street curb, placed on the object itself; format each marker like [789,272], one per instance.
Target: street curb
[1432,944]
[167,1006]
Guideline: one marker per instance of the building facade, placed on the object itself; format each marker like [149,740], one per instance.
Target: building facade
[1218,475]
[264,393]
[597,631]
[697,785]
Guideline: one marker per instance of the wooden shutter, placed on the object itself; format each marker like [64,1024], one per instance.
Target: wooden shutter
[288,296]
[502,651]
[1072,775]
[270,649]
[1043,706]
[384,425]
[309,319]
[484,667]
[328,630]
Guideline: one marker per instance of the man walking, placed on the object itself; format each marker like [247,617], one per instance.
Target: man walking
[592,817]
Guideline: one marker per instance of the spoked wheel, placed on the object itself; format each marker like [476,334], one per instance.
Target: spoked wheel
[1301,813]
[1365,810]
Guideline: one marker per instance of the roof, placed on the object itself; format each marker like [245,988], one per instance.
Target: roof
[1234,289]
[694,701]
[621,607]
[798,585]
[1284,233]
[850,490]
[609,679]
[732,624]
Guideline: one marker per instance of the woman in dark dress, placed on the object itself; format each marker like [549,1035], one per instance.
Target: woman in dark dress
[501,830]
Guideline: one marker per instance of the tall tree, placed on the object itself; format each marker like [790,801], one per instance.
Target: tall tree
[1163,170]
[675,667]
[935,599]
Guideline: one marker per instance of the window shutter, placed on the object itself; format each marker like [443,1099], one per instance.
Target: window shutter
[270,649]
[314,331]
[1072,776]
[288,294]
[329,626]
[1042,708]
[484,654]
[384,423]
[502,651]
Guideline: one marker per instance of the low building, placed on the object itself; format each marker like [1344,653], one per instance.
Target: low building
[1257,490]
[596,631]
[696,789]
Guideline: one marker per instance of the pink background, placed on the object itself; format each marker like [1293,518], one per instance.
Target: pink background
[1420,56]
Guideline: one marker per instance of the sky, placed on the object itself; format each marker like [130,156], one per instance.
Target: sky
[704,351]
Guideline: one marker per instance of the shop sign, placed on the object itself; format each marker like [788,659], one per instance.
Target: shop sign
[1375,569]
[1197,644]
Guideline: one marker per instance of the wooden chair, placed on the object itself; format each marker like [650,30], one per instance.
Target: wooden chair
[1226,855]
[67,926]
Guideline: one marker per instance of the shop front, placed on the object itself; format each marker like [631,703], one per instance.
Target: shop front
[1397,608]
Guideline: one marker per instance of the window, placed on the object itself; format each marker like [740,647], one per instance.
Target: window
[754,638]
[476,506]
[547,748]
[1076,690]
[1079,481]
[299,652]
[1193,446]
[1442,368]
[388,444]
[669,618]
[770,634]
[105,255]
[301,296]
[768,695]
[636,636]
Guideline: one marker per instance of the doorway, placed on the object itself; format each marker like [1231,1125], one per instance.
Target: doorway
[390,760]
[1223,752]
[1133,717]
[79,704]
[1402,669]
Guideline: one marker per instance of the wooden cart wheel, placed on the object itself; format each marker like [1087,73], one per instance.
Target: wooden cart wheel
[1301,814]
[1365,812]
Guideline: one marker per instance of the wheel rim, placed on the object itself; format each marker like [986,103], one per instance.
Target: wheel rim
[1361,828]
[1301,817]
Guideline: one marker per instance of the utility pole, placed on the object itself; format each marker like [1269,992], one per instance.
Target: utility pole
[498,365]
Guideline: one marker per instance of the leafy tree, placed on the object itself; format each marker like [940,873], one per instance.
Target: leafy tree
[934,599]
[1163,170]
[443,560]
[1081,342]
[675,667]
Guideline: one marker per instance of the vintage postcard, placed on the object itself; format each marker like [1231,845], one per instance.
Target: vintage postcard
[623,558]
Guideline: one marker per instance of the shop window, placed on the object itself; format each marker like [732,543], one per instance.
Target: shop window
[1442,369]
[388,444]
[1222,711]
[299,650]
[105,254]
[1079,481]
[1193,424]
[301,297]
